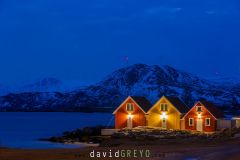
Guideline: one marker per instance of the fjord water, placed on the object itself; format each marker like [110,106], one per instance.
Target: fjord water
[23,129]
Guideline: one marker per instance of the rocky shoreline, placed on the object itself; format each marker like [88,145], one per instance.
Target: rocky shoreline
[90,135]
[168,144]
[143,135]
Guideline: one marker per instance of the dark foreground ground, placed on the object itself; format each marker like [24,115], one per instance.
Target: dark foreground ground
[161,144]
[184,151]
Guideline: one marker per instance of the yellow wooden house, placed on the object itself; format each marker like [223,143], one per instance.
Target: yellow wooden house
[166,113]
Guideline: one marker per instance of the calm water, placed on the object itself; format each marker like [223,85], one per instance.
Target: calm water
[21,130]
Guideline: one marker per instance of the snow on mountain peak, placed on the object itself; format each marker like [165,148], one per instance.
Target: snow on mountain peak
[138,79]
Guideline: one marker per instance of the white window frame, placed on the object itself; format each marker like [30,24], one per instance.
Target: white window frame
[206,121]
[192,121]
[164,107]
[132,108]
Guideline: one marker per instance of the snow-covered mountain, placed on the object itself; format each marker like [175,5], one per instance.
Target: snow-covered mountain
[42,85]
[155,81]
[139,79]
[49,84]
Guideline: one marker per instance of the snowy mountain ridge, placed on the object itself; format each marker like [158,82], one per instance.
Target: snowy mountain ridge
[139,79]
[48,84]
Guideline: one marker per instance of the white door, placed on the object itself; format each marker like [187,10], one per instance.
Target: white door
[129,122]
[199,125]
[164,123]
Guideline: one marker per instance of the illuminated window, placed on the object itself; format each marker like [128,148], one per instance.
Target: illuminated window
[191,121]
[207,122]
[164,107]
[129,107]
[199,109]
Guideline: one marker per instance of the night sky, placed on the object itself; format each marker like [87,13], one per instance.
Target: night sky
[85,40]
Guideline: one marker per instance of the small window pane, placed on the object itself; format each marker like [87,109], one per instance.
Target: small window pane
[166,107]
[207,121]
[191,122]
[129,107]
[163,107]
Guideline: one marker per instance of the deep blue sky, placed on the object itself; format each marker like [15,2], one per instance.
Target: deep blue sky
[85,40]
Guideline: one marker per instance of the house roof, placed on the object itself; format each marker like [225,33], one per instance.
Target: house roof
[236,117]
[215,111]
[181,107]
[144,103]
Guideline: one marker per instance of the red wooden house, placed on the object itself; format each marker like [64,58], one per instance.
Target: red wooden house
[202,117]
[131,113]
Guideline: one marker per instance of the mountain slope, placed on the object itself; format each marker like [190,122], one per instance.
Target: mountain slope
[139,79]
[48,84]
[155,81]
